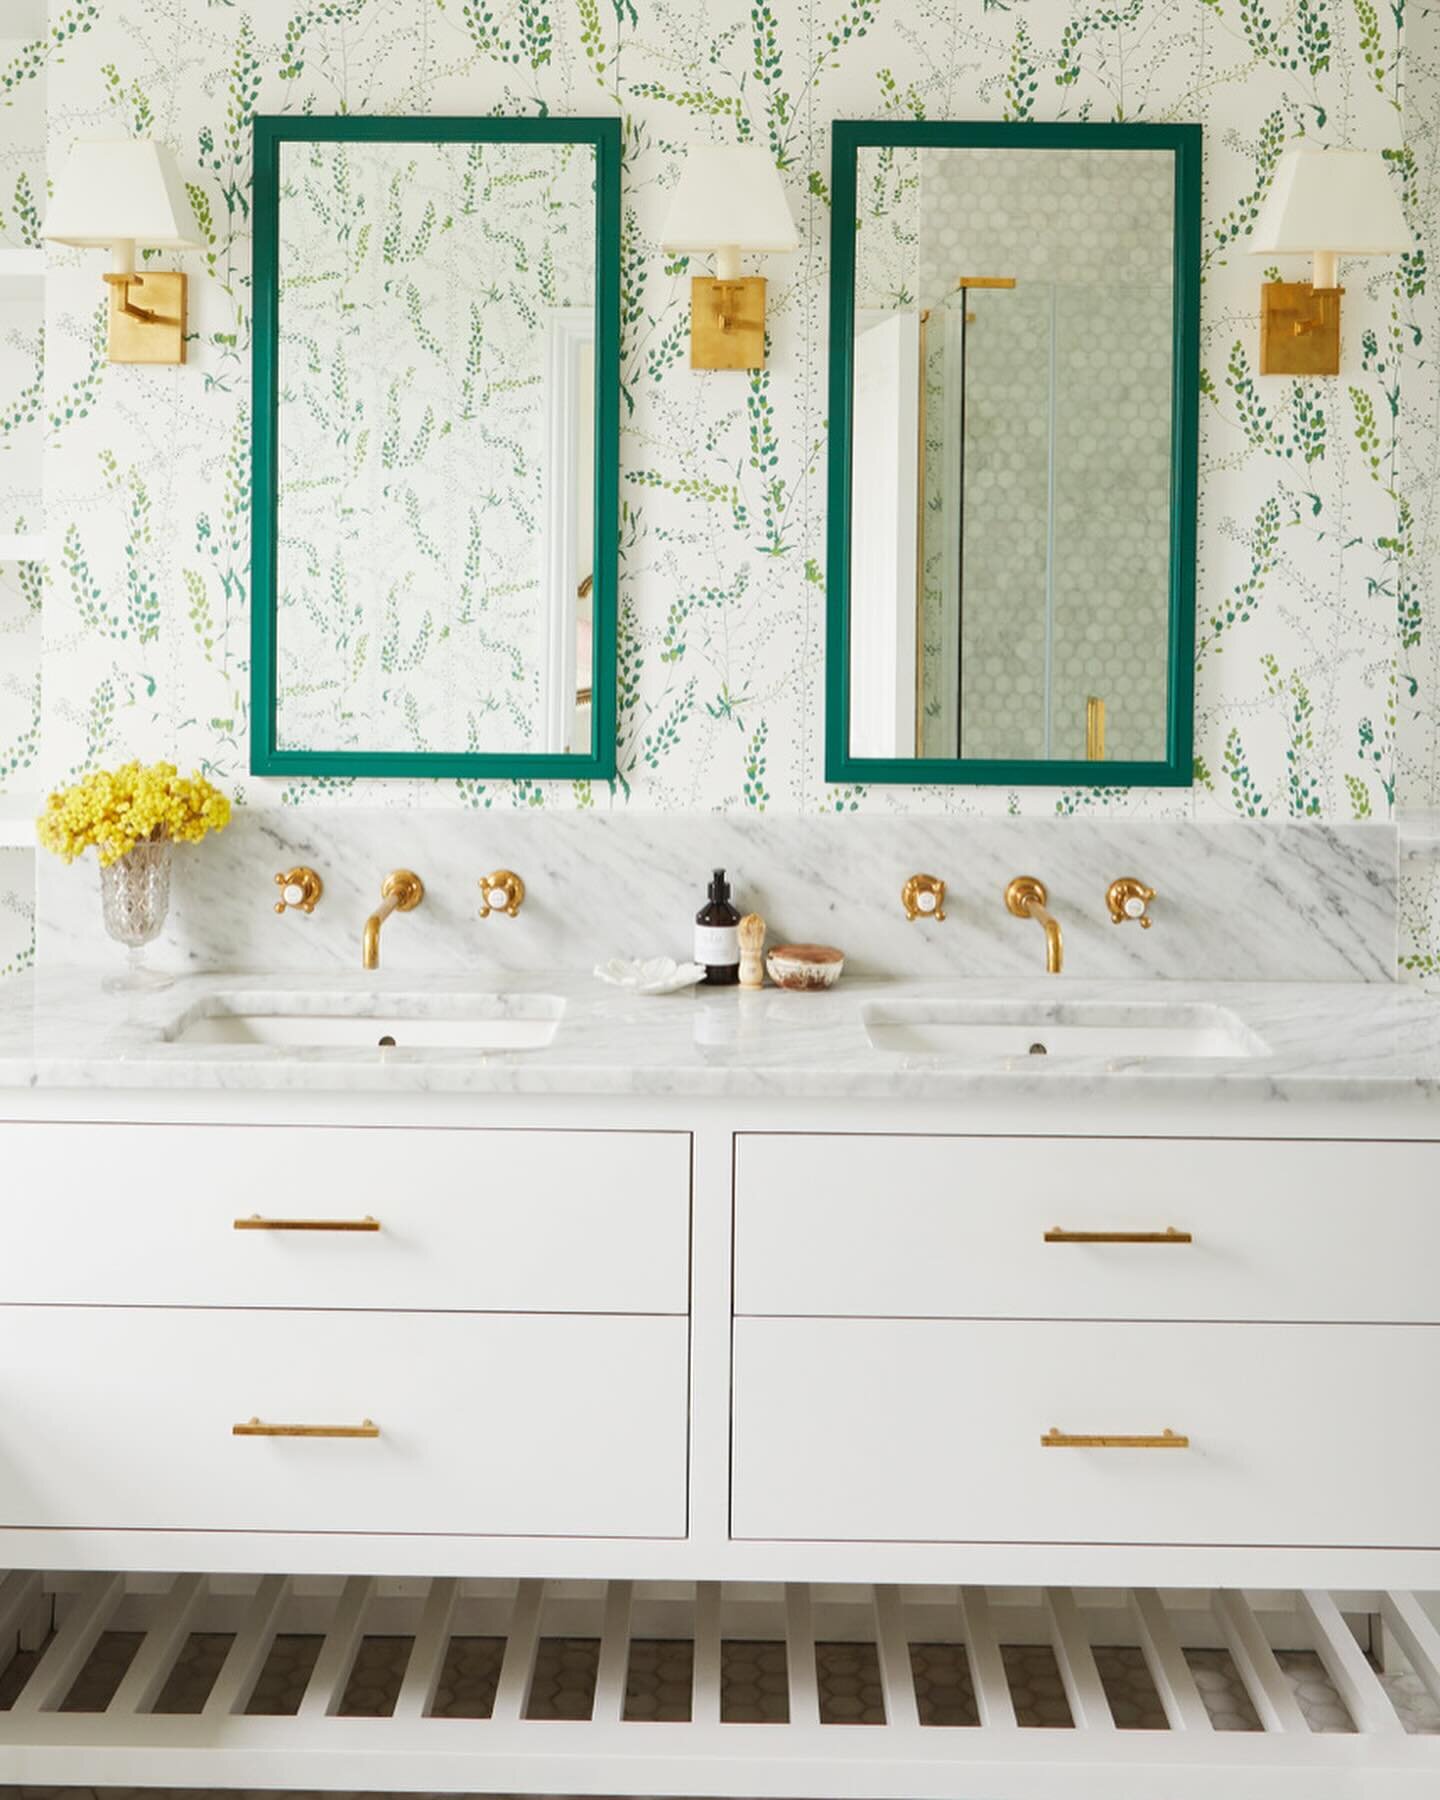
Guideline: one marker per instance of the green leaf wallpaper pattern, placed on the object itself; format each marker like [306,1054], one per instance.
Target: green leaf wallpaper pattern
[1318,519]
[424,293]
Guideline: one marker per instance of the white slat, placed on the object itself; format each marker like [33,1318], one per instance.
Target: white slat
[1414,1630]
[521,1637]
[1355,1681]
[897,1679]
[800,1655]
[326,1687]
[705,1700]
[1270,1693]
[1083,1688]
[427,1653]
[70,1648]
[166,1638]
[1174,1683]
[614,1664]
[241,1669]
[20,1593]
[993,1700]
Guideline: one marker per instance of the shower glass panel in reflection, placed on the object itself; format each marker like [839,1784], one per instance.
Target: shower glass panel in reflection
[1011,466]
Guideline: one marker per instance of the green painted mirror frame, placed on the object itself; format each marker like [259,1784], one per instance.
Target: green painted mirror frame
[271,133]
[849,137]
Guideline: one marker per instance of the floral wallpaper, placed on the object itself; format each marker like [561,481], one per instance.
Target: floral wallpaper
[1317,668]
[425,293]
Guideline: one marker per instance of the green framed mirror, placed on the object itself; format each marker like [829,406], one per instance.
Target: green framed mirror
[436,368]
[1014,398]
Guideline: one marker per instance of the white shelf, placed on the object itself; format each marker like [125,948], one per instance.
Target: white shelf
[25,546]
[1419,830]
[17,821]
[22,274]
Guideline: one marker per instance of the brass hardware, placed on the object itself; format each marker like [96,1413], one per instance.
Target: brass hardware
[1127,898]
[256,1223]
[1299,329]
[1094,729]
[503,891]
[401,891]
[1058,1235]
[727,323]
[963,283]
[1026,898]
[300,888]
[367,1428]
[1055,1439]
[923,897]
[154,332]
[922,477]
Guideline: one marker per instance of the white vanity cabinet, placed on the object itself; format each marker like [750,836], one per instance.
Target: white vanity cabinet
[503,1315]
[999,1340]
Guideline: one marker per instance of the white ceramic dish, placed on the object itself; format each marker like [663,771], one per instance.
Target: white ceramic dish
[652,975]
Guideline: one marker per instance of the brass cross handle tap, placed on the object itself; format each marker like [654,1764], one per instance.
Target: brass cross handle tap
[1128,898]
[300,888]
[923,897]
[503,891]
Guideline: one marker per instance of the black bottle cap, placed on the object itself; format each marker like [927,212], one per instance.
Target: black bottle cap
[719,886]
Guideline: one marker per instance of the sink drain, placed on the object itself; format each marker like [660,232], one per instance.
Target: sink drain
[1038,1050]
[386,1043]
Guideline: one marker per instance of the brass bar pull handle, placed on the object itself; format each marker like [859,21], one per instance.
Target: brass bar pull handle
[256,1223]
[367,1428]
[1070,1440]
[1058,1235]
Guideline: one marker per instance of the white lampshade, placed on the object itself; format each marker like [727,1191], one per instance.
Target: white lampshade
[730,198]
[1340,201]
[122,193]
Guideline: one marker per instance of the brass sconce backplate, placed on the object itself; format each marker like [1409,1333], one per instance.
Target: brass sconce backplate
[1299,329]
[727,323]
[159,338]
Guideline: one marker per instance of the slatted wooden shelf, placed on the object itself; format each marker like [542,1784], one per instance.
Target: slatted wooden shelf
[100,1685]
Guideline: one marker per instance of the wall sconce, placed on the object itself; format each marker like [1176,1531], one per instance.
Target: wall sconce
[729,199]
[1324,204]
[119,195]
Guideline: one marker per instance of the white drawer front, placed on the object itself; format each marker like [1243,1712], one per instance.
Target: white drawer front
[505,1221]
[940,1227]
[930,1430]
[116,1417]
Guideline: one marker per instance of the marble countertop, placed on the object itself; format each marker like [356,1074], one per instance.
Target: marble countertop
[1336,1042]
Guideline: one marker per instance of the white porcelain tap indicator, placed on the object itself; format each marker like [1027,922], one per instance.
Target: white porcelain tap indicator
[1134,907]
[294,894]
[925,902]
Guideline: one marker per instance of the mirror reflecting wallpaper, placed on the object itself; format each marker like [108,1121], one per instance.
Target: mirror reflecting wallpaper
[1011,478]
[435,447]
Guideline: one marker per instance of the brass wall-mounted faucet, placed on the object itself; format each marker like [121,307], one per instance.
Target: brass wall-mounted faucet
[1026,897]
[401,891]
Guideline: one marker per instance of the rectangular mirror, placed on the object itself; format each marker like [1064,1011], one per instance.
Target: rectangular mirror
[1014,398]
[436,446]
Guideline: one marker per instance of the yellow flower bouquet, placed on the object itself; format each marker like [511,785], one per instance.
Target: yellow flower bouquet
[133,817]
[115,809]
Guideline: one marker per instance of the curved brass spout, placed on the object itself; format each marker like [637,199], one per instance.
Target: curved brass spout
[401,891]
[1026,897]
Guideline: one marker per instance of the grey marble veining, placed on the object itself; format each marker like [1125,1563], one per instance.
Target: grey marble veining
[1327,1043]
[1302,902]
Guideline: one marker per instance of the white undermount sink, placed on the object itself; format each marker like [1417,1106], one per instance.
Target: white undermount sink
[482,1023]
[1002,1031]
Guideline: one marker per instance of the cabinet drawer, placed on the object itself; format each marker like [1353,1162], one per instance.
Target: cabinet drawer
[941,1227]
[507,1221]
[120,1418]
[931,1430]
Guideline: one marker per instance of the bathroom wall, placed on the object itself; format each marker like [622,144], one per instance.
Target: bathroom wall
[1315,670]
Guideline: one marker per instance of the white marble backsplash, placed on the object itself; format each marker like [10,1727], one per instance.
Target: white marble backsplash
[1300,902]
